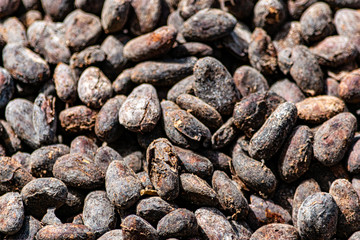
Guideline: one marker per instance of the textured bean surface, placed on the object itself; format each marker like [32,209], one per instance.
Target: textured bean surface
[178,223]
[11,213]
[319,109]
[214,85]
[141,111]
[269,138]
[122,185]
[318,216]
[333,138]
[349,207]
[253,173]
[99,213]
[42,193]
[208,25]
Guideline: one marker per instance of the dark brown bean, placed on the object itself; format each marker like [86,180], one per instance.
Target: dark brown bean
[187,8]
[230,197]
[208,24]
[115,59]
[194,163]
[45,118]
[304,189]
[333,138]
[262,52]
[276,231]
[288,90]
[151,45]
[201,110]
[65,231]
[90,56]
[123,83]
[65,83]
[183,128]
[345,22]
[191,49]
[19,113]
[153,209]
[113,234]
[136,228]
[353,157]
[122,185]
[214,85]
[13,175]
[11,213]
[146,16]
[318,109]
[334,51]
[28,230]
[163,72]
[316,22]
[94,88]
[43,159]
[99,213]
[107,127]
[213,224]
[25,65]
[81,29]
[197,191]
[318,216]
[248,80]
[141,110]
[48,39]
[114,15]
[58,9]
[162,167]
[184,86]
[84,146]
[348,202]
[178,223]
[77,119]
[269,138]
[225,134]
[91,6]
[349,88]
[269,14]
[306,71]
[43,193]
[296,154]
[77,170]
[253,173]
